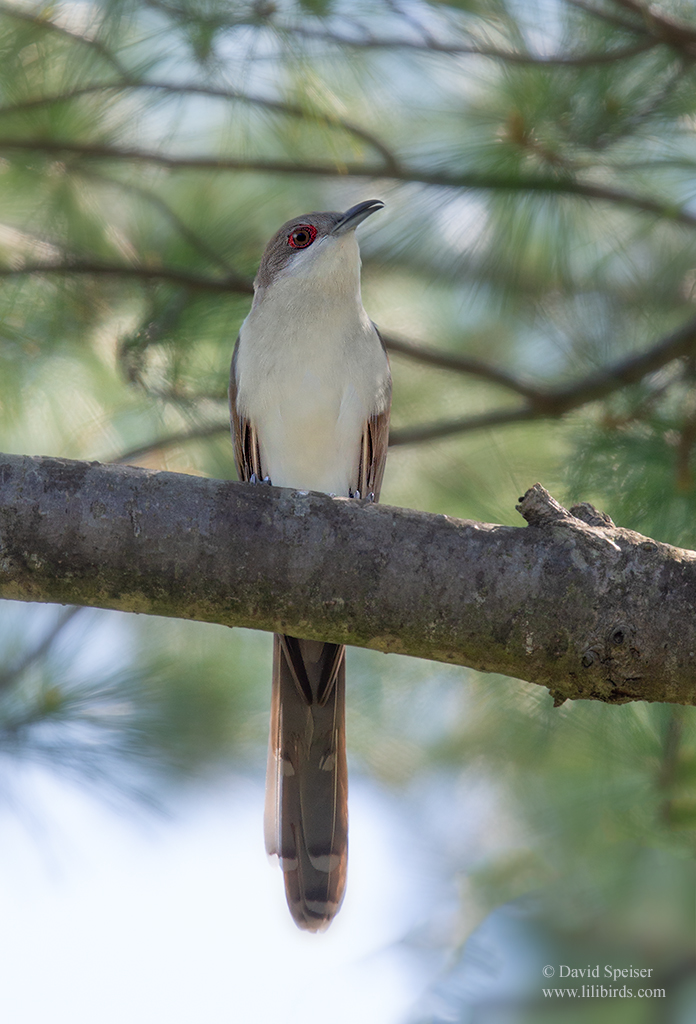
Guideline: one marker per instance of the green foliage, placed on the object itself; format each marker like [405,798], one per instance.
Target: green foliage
[174,703]
[539,220]
[644,474]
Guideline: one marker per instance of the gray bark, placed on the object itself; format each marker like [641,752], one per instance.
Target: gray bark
[569,601]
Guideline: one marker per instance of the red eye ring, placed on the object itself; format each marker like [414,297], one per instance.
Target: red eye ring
[302,236]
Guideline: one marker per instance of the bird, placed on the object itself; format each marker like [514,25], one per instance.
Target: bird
[310,397]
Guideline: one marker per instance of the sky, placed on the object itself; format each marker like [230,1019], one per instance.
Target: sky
[110,912]
[109,917]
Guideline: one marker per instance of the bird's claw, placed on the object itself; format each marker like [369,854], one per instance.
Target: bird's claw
[253,479]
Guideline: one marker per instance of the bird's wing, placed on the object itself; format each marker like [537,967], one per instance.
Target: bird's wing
[247,456]
[373,449]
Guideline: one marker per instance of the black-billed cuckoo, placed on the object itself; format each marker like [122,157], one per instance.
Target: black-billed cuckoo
[310,392]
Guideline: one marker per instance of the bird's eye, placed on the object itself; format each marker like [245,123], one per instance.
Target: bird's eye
[302,236]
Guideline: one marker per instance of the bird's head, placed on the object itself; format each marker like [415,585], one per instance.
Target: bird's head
[317,249]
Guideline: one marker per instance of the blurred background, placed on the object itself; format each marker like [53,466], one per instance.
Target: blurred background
[534,272]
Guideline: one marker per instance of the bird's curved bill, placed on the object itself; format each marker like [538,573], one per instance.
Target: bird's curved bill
[356,215]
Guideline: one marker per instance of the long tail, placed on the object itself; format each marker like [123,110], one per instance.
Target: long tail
[306,817]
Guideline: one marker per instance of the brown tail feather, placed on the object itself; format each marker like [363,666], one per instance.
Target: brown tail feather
[306,819]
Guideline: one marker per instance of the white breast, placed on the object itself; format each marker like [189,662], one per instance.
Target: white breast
[310,371]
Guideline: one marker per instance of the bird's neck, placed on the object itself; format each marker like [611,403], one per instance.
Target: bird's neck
[299,306]
[331,279]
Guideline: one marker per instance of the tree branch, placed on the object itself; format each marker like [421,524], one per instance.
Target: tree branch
[194,89]
[677,34]
[458,363]
[553,185]
[39,20]
[196,282]
[201,433]
[423,432]
[591,611]
[541,404]
[551,404]
[427,43]
[431,45]
[9,676]
[611,19]
[194,240]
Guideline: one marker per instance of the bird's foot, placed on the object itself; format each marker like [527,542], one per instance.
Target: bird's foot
[253,479]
